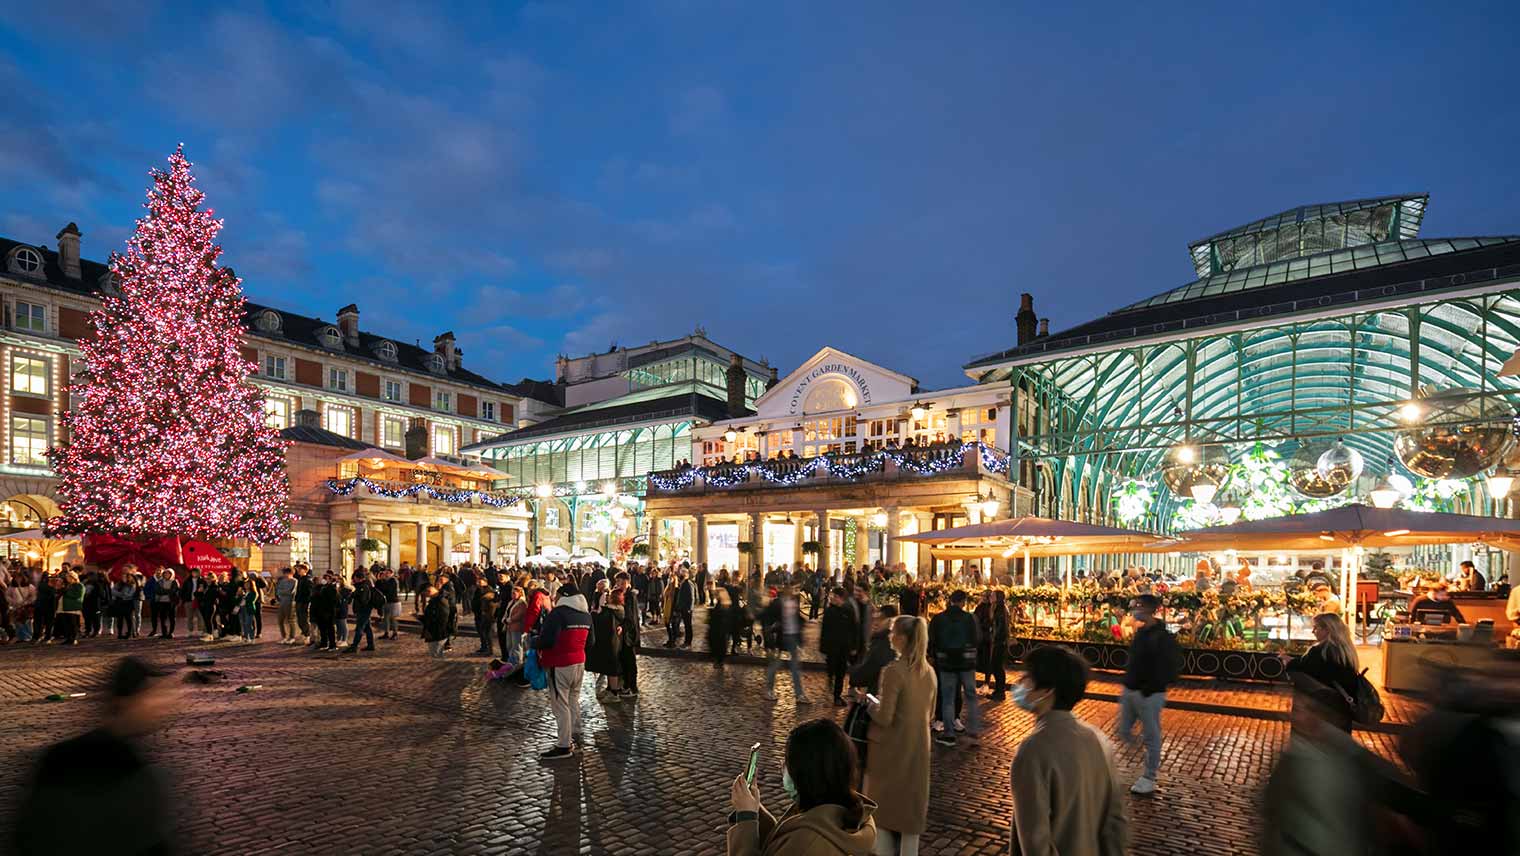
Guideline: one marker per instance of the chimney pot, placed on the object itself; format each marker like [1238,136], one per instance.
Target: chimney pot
[68,251]
[348,324]
[735,377]
[1044,328]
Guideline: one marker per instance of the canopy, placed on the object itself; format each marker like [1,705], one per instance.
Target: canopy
[1036,536]
[1354,525]
[443,465]
[33,535]
[375,457]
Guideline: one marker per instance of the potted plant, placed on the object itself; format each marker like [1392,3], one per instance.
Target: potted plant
[811,548]
[639,551]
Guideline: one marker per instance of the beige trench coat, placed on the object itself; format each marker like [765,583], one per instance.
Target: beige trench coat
[897,763]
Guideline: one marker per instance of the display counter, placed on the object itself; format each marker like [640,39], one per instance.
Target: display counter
[1478,605]
[1416,665]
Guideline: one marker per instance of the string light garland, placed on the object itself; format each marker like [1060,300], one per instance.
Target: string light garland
[345,487]
[853,467]
[168,438]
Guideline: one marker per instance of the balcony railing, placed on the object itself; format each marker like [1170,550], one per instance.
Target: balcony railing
[422,492]
[892,464]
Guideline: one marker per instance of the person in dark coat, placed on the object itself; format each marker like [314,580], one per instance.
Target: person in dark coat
[997,653]
[839,640]
[324,613]
[98,792]
[435,621]
[364,600]
[628,651]
[446,590]
[867,674]
[603,655]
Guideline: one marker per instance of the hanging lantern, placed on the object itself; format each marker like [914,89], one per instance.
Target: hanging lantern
[1304,474]
[1455,439]
[1197,472]
[1340,464]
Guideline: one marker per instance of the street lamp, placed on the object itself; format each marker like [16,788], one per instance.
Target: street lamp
[543,491]
[730,435]
[609,490]
[879,520]
[990,506]
[1384,494]
[1499,483]
[919,411]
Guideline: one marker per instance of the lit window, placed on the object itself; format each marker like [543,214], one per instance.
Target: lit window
[339,420]
[337,379]
[443,440]
[442,401]
[277,412]
[28,260]
[31,316]
[488,411]
[29,374]
[332,338]
[300,548]
[274,367]
[551,517]
[393,431]
[393,390]
[29,441]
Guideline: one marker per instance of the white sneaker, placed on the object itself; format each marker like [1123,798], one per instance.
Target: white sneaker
[960,727]
[1143,786]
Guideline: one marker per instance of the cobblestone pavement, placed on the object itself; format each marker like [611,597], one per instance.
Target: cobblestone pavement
[391,752]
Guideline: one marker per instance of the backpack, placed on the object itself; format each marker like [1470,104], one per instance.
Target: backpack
[955,647]
[376,598]
[1366,705]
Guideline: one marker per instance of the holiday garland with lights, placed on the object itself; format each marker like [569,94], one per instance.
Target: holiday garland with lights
[848,467]
[167,438]
[345,487]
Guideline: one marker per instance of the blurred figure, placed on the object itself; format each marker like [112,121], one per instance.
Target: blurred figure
[1154,660]
[98,793]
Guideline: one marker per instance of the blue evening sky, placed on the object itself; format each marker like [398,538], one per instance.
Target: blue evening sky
[881,177]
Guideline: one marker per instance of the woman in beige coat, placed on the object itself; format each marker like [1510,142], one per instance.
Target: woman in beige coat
[897,763]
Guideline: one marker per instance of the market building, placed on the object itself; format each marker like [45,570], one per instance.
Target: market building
[838,460]
[365,388]
[1324,354]
[617,416]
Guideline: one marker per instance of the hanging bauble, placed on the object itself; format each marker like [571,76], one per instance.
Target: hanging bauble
[1456,437]
[1304,474]
[1340,464]
[1195,472]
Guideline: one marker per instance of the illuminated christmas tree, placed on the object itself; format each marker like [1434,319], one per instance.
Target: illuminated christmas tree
[167,438]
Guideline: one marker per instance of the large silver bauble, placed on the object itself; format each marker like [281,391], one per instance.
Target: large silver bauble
[1304,474]
[1456,437]
[1189,464]
[1340,464]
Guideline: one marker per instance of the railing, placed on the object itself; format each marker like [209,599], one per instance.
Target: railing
[422,492]
[913,462]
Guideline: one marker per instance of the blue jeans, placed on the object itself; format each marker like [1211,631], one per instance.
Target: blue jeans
[773,665]
[949,684]
[247,623]
[1147,709]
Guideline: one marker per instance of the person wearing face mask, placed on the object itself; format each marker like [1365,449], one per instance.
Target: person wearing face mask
[827,816]
[897,767]
[1154,659]
[1066,794]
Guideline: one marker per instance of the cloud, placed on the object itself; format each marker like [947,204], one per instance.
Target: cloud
[697,109]
[699,223]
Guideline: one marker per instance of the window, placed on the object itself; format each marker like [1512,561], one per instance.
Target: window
[269,321]
[29,441]
[488,411]
[551,517]
[332,338]
[31,316]
[28,260]
[393,390]
[300,548]
[386,351]
[274,367]
[339,420]
[337,379]
[29,374]
[443,401]
[392,431]
[277,412]
[443,439]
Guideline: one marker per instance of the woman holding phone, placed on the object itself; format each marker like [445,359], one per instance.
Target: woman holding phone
[827,816]
[897,767]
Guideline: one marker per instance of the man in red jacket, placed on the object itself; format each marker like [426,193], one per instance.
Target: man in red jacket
[563,638]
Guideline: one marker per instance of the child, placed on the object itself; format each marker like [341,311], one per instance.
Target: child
[500,670]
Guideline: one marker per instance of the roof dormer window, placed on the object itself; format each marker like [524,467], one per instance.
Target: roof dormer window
[331,338]
[386,351]
[25,261]
[269,321]
[434,363]
[108,284]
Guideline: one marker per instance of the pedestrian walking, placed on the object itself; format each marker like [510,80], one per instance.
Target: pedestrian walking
[953,644]
[839,641]
[996,633]
[781,628]
[366,600]
[896,775]
[285,603]
[827,816]
[435,621]
[1154,659]
[1066,794]
[561,644]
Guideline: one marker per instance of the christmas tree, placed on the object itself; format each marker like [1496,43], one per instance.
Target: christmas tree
[167,438]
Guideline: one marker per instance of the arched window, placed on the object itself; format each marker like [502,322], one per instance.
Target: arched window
[386,351]
[269,321]
[26,261]
[331,338]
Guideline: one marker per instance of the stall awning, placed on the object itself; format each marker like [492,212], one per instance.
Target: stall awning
[1354,525]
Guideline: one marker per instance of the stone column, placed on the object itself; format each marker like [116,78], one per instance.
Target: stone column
[925,561]
[359,544]
[393,561]
[757,537]
[422,556]
[824,562]
[654,538]
[799,534]
[699,549]
[475,551]
[446,544]
[894,531]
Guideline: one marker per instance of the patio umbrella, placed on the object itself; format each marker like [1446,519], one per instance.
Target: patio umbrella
[36,540]
[1354,525]
[1034,536]
[375,457]
[447,466]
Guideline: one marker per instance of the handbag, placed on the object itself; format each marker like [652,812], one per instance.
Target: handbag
[857,724]
[1366,705]
[537,678]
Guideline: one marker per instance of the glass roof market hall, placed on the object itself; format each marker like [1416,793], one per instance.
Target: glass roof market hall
[1324,354]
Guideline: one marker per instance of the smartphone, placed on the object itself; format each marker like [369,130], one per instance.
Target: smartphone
[872,699]
[754,764]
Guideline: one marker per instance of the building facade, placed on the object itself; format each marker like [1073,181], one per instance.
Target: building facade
[840,459]
[365,387]
[621,415]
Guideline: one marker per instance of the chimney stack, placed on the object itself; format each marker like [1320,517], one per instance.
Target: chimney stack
[443,345]
[735,377]
[348,325]
[308,418]
[1044,328]
[1024,322]
[68,251]
[774,379]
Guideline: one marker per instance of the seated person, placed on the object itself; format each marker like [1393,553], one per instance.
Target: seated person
[1328,602]
[1437,599]
[1472,580]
